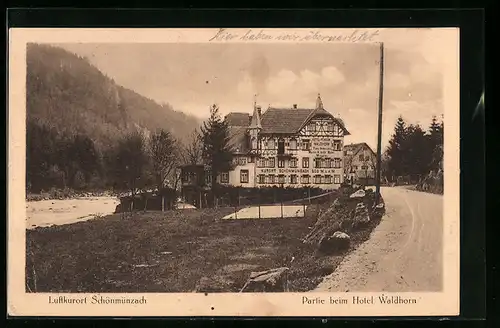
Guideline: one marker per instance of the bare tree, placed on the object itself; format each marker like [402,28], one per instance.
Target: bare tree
[193,151]
[164,157]
[129,163]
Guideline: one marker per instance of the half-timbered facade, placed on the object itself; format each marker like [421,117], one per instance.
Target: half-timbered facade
[286,147]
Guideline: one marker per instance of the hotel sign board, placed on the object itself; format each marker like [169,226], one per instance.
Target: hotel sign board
[322,146]
[298,171]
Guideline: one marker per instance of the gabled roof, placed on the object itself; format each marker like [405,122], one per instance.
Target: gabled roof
[238,139]
[356,148]
[290,121]
[238,119]
[283,120]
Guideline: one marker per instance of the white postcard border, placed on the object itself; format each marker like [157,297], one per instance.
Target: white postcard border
[21,303]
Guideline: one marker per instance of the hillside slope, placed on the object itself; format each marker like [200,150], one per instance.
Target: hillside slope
[66,92]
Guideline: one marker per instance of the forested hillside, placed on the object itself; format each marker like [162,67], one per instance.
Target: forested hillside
[75,114]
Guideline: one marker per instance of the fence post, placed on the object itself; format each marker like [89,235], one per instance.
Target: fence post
[258,202]
[281,200]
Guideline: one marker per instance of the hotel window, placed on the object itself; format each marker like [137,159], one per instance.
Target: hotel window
[224,177]
[306,145]
[262,178]
[270,144]
[317,179]
[337,145]
[293,144]
[293,179]
[328,179]
[337,163]
[305,162]
[271,178]
[304,179]
[361,157]
[328,163]
[364,167]
[242,161]
[281,147]
[336,129]
[311,127]
[317,163]
[293,163]
[208,178]
[244,176]
[281,163]
[336,178]
[329,127]
[281,178]
[254,143]
[270,162]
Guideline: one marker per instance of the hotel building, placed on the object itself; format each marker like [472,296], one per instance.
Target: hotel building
[289,147]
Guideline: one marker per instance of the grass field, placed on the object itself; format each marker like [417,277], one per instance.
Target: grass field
[176,251]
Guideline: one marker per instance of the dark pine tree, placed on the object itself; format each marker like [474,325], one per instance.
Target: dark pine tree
[416,152]
[216,149]
[435,143]
[396,164]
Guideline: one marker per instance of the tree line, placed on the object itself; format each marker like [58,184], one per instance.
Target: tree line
[138,160]
[414,151]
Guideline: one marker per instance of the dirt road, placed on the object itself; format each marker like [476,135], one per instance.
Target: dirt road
[404,252]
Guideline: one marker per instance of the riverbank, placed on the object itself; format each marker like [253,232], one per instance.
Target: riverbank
[63,194]
[45,213]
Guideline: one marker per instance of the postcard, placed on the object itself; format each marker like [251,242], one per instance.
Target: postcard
[233,172]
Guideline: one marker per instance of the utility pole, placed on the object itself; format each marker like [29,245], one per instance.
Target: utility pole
[379,140]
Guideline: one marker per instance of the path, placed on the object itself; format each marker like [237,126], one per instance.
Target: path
[404,252]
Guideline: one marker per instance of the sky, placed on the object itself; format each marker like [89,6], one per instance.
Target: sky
[192,76]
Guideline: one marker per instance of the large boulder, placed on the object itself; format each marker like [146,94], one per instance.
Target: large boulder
[379,210]
[361,216]
[358,194]
[274,280]
[337,242]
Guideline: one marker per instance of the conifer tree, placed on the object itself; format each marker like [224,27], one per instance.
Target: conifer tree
[395,152]
[216,149]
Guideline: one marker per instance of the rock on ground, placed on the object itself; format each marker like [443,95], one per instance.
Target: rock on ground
[361,216]
[274,280]
[337,242]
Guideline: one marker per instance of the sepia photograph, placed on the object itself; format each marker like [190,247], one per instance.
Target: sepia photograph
[240,161]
